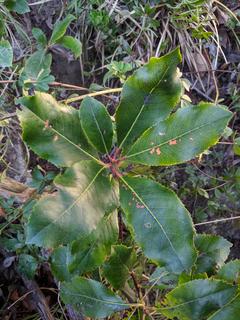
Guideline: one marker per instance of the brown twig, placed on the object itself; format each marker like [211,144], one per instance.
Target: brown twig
[137,286]
[37,298]
[7,81]
[217,221]
[94,94]
[54,84]
[67,85]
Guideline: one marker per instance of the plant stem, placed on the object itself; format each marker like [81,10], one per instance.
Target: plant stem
[136,285]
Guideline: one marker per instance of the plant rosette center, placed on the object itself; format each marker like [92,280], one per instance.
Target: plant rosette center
[113,161]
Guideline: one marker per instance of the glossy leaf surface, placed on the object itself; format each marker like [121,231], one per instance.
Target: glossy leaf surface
[27,265]
[89,252]
[119,265]
[60,260]
[60,28]
[213,252]
[96,124]
[181,137]
[84,195]
[36,72]
[161,224]
[91,297]
[18,6]
[197,299]
[148,96]
[52,130]
[230,271]
[40,37]
[72,44]
[6,54]
[230,311]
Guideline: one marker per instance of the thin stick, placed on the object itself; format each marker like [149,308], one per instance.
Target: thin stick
[208,175]
[67,85]
[135,282]
[7,81]
[55,84]
[94,94]
[217,221]
[202,94]
[59,302]
[29,292]
[227,9]
[39,2]
[8,116]
[219,186]
[225,142]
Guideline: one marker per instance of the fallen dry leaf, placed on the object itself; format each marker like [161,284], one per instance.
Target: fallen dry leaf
[2,212]
[12,188]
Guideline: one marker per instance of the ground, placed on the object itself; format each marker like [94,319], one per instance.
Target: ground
[129,32]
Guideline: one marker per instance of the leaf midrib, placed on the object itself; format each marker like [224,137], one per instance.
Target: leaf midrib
[98,300]
[155,219]
[197,299]
[71,206]
[64,137]
[225,306]
[89,251]
[142,107]
[99,129]
[170,139]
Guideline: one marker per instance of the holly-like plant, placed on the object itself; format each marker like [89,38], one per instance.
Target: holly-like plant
[102,156]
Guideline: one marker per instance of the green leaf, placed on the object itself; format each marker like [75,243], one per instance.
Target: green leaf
[18,6]
[213,252]
[72,44]
[53,130]
[148,96]
[89,252]
[186,277]
[230,271]
[227,132]
[60,28]
[161,224]
[236,146]
[60,260]
[184,135]
[6,54]
[84,195]
[11,244]
[36,72]
[118,267]
[2,26]
[163,278]
[40,36]
[91,298]
[27,265]
[197,299]
[96,124]
[230,311]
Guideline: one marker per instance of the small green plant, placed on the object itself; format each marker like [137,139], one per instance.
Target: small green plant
[7,21]
[36,72]
[117,69]
[108,224]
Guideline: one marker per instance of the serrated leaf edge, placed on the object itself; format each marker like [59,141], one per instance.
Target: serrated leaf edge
[158,222]
[66,210]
